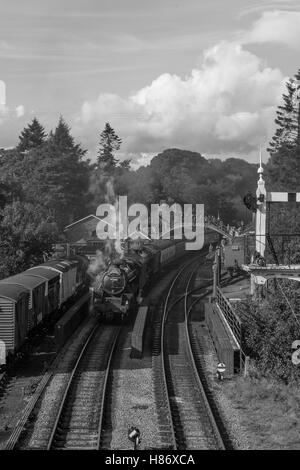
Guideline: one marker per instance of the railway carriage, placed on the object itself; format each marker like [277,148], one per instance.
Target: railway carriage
[40,293]
[14,315]
[66,269]
[36,301]
[52,286]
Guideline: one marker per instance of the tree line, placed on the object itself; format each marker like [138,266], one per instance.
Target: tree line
[47,182]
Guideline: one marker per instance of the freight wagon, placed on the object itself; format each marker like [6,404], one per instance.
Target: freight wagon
[38,295]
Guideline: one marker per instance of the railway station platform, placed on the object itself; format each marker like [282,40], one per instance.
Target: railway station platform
[226,346]
[225,325]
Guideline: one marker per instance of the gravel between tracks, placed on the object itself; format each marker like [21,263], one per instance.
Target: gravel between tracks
[133,402]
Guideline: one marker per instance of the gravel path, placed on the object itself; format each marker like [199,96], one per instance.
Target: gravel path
[133,402]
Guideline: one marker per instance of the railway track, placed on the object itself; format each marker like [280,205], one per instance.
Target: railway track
[53,376]
[187,420]
[66,410]
[79,421]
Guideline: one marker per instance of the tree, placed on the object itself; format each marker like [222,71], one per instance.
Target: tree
[27,232]
[270,327]
[125,164]
[11,175]
[58,177]
[109,142]
[188,177]
[32,136]
[283,174]
[288,118]
[53,174]
[5,193]
[283,169]
[62,139]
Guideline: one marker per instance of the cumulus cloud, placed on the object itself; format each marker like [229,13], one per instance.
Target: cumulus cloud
[227,104]
[276,26]
[137,159]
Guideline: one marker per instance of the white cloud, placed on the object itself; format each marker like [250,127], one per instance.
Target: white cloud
[276,26]
[137,160]
[227,104]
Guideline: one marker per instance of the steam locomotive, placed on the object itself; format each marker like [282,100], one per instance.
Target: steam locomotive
[118,289]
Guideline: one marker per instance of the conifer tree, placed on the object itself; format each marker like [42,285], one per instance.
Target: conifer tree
[288,118]
[283,168]
[57,176]
[125,164]
[62,139]
[109,143]
[32,136]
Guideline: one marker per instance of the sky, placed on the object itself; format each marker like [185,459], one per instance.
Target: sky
[201,75]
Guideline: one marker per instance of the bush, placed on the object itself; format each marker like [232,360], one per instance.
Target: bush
[269,329]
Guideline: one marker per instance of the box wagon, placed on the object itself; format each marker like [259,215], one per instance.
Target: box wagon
[52,286]
[36,288]
[67,275]
[71,275]
[14,300]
